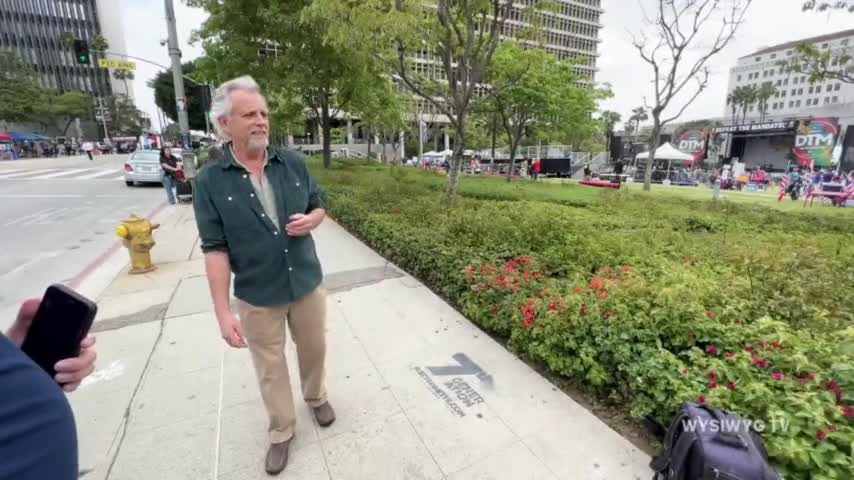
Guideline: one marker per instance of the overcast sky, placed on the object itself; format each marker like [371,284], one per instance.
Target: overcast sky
[768,22]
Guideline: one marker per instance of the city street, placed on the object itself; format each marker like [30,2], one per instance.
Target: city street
[57,216]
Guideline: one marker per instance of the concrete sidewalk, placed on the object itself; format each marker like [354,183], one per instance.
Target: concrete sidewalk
[419,391]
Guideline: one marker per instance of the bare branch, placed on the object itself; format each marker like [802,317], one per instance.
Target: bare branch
[701,85]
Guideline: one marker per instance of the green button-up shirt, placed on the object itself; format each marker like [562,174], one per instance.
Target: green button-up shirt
[270,268]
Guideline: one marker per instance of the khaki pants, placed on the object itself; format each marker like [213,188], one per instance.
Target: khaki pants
[264,330]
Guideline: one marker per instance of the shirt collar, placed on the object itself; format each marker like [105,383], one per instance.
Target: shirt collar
[230,160]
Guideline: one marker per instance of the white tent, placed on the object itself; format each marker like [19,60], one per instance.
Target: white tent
[667,152]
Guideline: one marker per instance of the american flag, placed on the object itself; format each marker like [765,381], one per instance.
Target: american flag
[784,185]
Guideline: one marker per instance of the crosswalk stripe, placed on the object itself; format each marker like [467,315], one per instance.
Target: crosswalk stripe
[7,171]
[120,177]
[28,172]
[98,174]
[60,173]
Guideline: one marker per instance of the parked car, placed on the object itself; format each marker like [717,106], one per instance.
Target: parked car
[143,167]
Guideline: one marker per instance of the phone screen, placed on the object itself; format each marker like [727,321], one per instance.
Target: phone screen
[60,324]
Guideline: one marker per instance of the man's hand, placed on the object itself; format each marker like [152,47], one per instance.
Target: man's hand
[70,371]
[229,327]
[301,224]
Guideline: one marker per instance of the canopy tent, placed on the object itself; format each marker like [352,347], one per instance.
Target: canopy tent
[27,137]
[667,152]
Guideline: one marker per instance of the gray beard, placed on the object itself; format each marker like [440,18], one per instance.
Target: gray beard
[258,143]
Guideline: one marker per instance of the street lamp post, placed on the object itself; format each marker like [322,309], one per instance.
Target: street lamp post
[177,75]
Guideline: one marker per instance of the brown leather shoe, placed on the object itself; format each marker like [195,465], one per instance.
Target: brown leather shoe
[324,415]
[277,457]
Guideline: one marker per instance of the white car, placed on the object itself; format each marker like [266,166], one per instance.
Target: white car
[143,167]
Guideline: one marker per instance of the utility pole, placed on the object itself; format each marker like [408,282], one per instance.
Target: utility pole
[177,75]
[103,113]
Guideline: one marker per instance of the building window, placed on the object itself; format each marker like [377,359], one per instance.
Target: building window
[773,56]
[791,103]
[794,92]
[844,43]
[783,93]
[738,79]
[779,82]
[824,45]
[797,104]
[812,89]
[786,81]
[800,91]
[818,89]
[837,87]
[835,99]
[789,53]
[758,59]
[826,100]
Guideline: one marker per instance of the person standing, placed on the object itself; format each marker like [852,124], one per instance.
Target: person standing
[88,147]
[255,210]
[618,171]
[169,164]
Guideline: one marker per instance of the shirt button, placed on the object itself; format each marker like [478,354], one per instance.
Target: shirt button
[275,232]
[245,176]
[251,194]
[229,199]
[298,184]
[290,269]
[286,250]
[262,215]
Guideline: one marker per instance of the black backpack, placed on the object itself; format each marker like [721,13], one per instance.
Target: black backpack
[705,443]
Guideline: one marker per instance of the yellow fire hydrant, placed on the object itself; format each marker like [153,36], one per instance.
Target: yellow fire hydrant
[136,235]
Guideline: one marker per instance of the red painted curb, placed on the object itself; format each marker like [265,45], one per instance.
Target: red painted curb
[78,279]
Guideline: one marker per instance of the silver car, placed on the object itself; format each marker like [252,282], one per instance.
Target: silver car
[143,167]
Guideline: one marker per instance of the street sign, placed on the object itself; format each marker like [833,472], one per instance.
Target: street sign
[116,64]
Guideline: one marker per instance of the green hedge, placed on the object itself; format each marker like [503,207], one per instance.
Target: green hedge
[650,300]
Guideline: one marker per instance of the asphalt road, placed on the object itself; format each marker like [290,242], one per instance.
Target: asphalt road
[57,216]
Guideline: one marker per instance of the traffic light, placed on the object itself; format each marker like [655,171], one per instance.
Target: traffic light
[81,51]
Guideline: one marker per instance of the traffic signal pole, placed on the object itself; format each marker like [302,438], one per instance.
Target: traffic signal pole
[177,75]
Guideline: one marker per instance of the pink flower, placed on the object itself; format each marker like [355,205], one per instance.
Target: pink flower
[712,350]
[685,371]
[713,384]
[702,399]
[730,355]
[731,385]
[820,435]
[710,314]
[761,363]
[597,284]
[579,291]
[777,376]
[603,295]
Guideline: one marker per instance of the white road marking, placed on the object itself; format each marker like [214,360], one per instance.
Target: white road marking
[100,173]
[35,195]
[38,258]
[31,216]
[61,173]
[120,177]
[114,370]
[28,172]
[6,171]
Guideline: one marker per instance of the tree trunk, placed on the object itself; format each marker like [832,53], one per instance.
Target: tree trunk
[383,143]
[370,137]
[456,164]
[514,146]
[68,124]
[653,145]
[325,126]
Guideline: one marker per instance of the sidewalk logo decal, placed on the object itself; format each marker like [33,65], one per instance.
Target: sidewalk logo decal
[115,370]
[456,393]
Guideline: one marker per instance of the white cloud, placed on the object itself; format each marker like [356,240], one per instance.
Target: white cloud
[768,22]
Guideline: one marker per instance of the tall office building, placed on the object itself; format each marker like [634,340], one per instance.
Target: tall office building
[35,30]
[571,32]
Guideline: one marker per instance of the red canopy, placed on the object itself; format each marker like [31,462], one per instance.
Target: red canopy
[5,137]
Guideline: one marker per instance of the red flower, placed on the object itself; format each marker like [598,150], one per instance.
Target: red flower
[584,309]
[469,272]
[713,384]
[603,294]
[820,435]
[538,276]
[761,363]
[760,346]
[579,290]
[502,280]
[553,306]
[730,355]
[831,428]
[685,371]
[738,322]
[608,314]
[597,284]
[848,412]
[628,269]
[731,385]
[396,212]
[509,268]
[748,349]
[832,386]
[702,399]
[713,375]
[712,350]
[806,378]
[777,376]
[710,314]
[776,345]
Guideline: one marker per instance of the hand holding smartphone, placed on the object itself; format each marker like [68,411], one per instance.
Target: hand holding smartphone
[61,322]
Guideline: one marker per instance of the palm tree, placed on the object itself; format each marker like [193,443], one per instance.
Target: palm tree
[638,115]
[124,75]
[733,101]
[609,120]
[745,97]
[762,96]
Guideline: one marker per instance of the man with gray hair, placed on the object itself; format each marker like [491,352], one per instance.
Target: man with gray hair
[255,209]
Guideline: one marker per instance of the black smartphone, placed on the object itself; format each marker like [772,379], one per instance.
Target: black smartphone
[62,321]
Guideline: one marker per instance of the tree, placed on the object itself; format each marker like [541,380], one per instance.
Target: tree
[763,94]
[533,94]
[124,118]
[381,111]
[99,43]
[288,52]
[65,107]
[733,102]
[164,96]
[741,99]
[820,65]
[461,36]
[638,115]
[678,26]
[20,94]
[125,75]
